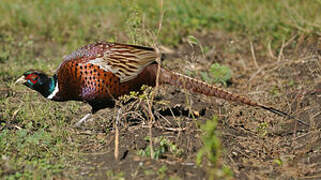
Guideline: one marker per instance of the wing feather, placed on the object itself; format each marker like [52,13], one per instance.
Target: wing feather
[125,61]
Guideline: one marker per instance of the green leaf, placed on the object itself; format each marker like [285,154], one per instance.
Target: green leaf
[220,73]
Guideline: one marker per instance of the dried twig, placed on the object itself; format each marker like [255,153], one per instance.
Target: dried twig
[116,151]
[168,128]
[270,50]
[281,51]
[150,102]
[253,55]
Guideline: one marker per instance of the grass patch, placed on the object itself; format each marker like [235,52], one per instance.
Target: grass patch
[74,22]
[34,138]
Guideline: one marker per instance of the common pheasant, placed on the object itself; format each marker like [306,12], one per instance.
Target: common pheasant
[101,72]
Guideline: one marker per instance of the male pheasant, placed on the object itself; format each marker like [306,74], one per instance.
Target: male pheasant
[101,72]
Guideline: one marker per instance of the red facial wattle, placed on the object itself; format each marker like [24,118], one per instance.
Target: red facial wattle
[33,78]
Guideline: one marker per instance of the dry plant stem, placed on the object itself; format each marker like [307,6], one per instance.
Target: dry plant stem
[116,123]
[150,126]
[137,115]
[167,121]
[83,120]
[15,113]
[295,130]
[17,127]
[150,112]
[290,40]
[281,51]
[170,129]
[116,152]
[161,18]
[253,55]
[190,108]
[270,50]
[151,119]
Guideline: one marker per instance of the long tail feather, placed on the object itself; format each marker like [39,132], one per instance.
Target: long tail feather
[281,113]
[201,87]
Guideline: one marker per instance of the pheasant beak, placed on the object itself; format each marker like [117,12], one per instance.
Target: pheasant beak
[21,80]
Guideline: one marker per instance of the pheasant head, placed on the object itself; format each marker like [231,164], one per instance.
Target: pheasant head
[39,81]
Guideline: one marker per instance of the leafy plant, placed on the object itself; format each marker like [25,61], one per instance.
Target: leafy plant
[217,74]
[262,129]
[115,176]
[212,147]
[164,146]
[275,91]
[212,150]
[162,171]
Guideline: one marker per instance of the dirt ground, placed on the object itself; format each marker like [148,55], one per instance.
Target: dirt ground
[257,144]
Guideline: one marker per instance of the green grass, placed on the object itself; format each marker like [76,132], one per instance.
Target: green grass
[35,137]
[34,148]
[75,22]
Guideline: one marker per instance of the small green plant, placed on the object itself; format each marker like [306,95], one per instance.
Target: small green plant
[275,91]
[291,83]
[217,74]
[174,177]
[212,150]
[278,162]
[115,176]
[212,147]
[262,129]
[149,172]
[162,172]
[162,146]
[146,93]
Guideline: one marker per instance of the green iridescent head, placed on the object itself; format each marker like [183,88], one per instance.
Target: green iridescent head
[38,81]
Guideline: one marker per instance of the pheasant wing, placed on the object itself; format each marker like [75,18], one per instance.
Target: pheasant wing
[125,61]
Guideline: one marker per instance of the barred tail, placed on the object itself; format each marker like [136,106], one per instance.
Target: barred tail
[201,87]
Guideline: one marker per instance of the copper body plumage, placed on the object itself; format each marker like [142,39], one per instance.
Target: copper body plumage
[101,72]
